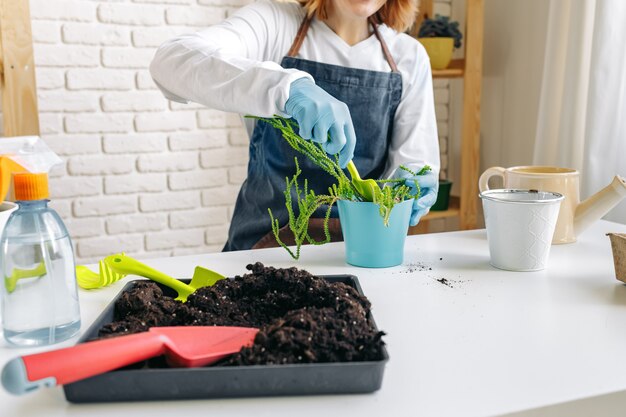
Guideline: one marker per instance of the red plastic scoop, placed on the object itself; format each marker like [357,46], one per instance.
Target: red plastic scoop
[183,346]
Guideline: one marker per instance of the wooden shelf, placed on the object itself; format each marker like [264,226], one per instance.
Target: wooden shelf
[456,69]
[454,210]
[464,207]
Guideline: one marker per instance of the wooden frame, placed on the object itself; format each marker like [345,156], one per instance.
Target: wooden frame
[17,70]
[470,69]
[470,135]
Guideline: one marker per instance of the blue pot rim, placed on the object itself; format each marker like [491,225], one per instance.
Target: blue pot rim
[341,201]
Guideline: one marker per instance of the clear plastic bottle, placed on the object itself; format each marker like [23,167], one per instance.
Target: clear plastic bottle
[39,292]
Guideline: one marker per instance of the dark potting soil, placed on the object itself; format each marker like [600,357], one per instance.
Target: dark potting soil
[445,282]
[302,318]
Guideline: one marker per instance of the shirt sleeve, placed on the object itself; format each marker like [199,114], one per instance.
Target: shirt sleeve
[232,66]
[415,142]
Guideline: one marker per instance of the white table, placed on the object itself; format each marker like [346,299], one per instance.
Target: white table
[494,342]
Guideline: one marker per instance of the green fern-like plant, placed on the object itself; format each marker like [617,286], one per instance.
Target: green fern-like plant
[308,202]
[393,190]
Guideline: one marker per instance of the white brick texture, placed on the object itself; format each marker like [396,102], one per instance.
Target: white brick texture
[169,201]
[216,234]
[103,206]
[198,218]
[135,143]
[67,186]
[158,122]
[139,101]
[136,223]
[135,183]
[66,144]
[238,137]
[194,16]
[87,227]
[47,32]
[95,34]
[72,10]
[153,37]
[140,174]
[188,141]
[65,56]
[65,101]
[100,165]
[175,239]
[197,180]
[224,157]
[49,78]
[97,123]
[126,57]
[144,81]
[130,14]
[168,162]
[221,196]
[99,79]
[103,246]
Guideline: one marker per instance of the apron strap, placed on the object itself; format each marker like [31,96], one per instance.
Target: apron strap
[388,57]
[297,42]
[304,27]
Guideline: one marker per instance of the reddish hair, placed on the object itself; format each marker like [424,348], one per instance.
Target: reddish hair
[397,14]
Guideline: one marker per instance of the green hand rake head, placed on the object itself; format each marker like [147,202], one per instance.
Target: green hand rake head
[202,277]
[90,280]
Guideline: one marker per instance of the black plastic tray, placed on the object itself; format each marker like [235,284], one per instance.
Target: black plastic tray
[223,382]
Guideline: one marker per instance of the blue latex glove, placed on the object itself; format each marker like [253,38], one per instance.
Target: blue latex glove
[318,113]
[429,185]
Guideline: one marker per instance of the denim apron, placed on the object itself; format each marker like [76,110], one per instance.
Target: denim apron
[371,96]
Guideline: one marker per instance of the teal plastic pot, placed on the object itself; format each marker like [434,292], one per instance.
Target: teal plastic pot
[369,243]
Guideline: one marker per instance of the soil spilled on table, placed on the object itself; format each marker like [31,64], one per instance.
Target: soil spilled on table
[416,267]
[302,318]
[445,282]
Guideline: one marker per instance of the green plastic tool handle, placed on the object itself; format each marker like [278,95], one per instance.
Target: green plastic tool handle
[127,265]
[354,174]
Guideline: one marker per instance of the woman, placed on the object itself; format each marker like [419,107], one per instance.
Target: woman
[341,68]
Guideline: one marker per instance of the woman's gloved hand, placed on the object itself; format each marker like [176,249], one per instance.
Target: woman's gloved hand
[318,113]
[428,184]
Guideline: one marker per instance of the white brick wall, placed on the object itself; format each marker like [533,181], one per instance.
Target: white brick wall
[141,175]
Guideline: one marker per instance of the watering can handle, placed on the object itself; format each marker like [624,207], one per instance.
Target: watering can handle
[63,366]
[483,181]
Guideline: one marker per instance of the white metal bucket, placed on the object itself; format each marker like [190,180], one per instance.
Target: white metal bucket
[520,225]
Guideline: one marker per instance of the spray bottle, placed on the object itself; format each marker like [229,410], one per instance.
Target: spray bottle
[38,288]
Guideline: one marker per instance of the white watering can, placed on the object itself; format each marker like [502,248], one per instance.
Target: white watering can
[575,216]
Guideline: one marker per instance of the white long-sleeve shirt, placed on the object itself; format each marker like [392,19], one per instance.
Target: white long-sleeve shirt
[235,66]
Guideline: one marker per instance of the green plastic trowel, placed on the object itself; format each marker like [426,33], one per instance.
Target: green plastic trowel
[367,188]
[202,277]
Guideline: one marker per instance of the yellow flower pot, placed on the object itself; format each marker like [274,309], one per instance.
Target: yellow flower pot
[439,51]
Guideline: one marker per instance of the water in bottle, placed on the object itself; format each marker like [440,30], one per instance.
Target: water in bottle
[39,292]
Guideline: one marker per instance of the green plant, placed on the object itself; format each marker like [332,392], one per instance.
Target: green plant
[393,190]
[441,27]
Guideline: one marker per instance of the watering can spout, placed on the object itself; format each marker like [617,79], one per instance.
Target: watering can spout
[596,206]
